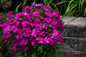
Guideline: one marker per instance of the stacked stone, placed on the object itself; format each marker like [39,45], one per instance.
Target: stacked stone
[74,36]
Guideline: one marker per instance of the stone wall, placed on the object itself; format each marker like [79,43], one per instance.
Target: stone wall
[74,37]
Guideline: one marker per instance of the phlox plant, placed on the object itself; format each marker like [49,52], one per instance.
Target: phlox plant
[34,32]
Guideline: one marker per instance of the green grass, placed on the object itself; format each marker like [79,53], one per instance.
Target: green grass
[64,7]
[68,7]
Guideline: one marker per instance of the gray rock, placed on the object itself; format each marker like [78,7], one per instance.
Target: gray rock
[74,35]
[78,22]
[74,27]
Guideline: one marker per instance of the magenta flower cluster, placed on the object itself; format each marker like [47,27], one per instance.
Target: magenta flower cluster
[35,25]
[66,56]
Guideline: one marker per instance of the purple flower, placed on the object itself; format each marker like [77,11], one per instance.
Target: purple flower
[14,48]
[34,4]
[64,56]
[46,40]
[15,30]
[38,38]
[5,41]
[55,34]
[22,42]
[48,20]
[41,41]
[15,56]
[6,6]
[36,24]
[32,43]
[15,44]
[37,19]
[25,49]
[42,33]
[35,13]
[26,42]
[24,23]
[10,14]
[17,23]
[17,37]
[11,2]
[34,33]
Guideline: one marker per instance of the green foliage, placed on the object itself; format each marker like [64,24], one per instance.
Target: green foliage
[85,12]
[41,51]
[17,8]
[64,7]
[70,9]
[1,54]
[24,4]
[1,37]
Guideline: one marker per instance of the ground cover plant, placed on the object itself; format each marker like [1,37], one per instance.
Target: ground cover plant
[34,32]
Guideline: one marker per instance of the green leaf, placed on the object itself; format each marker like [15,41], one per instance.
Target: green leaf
[85,12]
[1,37]
[50,2]
[33,55]
[20,54]
[18,7]
[1,55]
[70,9]
[44,1]
[24,4]
[34,0]
[55,7]
[71,2]
[82,2]
[25,54]
[61,2]
[10,0]
[40,49]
